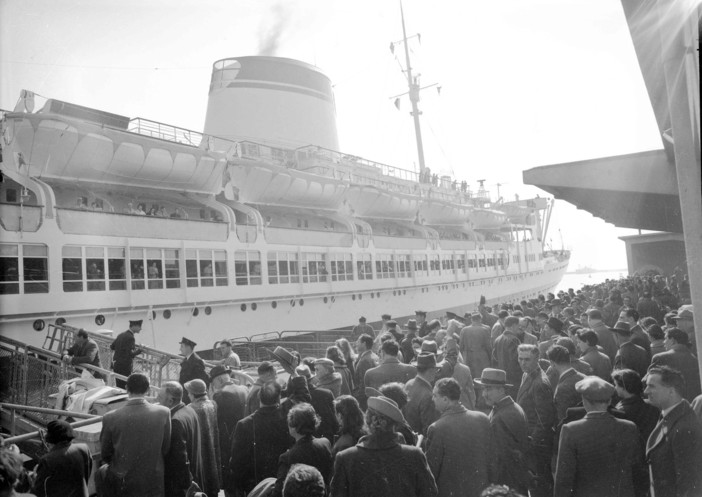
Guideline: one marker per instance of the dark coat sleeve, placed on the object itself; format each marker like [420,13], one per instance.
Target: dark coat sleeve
[177,466]
[89,353]
[240,462]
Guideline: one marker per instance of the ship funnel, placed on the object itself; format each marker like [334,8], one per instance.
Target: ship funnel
[271,100]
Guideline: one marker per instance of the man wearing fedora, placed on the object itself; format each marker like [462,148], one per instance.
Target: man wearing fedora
[629,355]
[182,463]
[406,343]
[564,395]
[684,320]
[323,402]
[679,357]
[230,399]
[508,425]
[420,410]
[379,466]
[192,367]
[125,350]
[65,470]
[266,372]
[458,444]
[474,342]
[600,454]
[133,443]
[206,410]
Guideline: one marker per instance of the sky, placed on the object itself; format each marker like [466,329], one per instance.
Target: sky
[523,83]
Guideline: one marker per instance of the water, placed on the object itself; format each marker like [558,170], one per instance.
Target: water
[577,281]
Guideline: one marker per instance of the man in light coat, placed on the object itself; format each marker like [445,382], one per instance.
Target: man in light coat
[366,360]
[475,346]
[458,444]
[390,368]
[134,441]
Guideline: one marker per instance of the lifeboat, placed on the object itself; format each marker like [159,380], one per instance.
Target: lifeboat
[380,202]
[437,211]
[70,142]
[487,218]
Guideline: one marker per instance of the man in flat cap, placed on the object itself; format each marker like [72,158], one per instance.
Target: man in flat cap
[125,350]
[600,454]
[192,367]
[379,464]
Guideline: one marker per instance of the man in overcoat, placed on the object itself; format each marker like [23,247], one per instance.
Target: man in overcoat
[134,441]
[390,368]
[474,343]
[600,454]
[366,360]
[125,350]
[458,444]
[674,448]
[679,357]
[419,410]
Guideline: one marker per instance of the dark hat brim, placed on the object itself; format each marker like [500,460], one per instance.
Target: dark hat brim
[489,383]
[287,365]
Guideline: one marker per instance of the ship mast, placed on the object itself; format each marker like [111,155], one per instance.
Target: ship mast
[413,86]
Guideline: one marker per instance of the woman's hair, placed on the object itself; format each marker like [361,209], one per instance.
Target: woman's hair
[378,424]
[395,391]
[345,347]
[629,380]
[352,422]
[303,418]
[335,354]
[11,470]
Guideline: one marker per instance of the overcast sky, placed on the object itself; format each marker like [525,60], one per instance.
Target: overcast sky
[524,83]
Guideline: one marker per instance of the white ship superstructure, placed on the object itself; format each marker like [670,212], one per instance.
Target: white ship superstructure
[257,225]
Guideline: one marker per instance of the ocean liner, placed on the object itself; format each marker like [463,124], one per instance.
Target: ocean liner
[258,224]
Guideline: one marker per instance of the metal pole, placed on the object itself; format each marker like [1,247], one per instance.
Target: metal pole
[46,410]
[679,34]
[414,97]
[35,434]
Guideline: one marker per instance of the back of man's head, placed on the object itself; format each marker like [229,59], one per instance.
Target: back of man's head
[503,314]
[174,390]
[678,335]
[270,393]
[558,355]
[137,384]
[366,340]
[266,368]
[390,347]
[595,314]
[511,321]
[303,481]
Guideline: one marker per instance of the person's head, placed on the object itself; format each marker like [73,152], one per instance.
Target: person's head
[81,336]
[627,383]
[270,393]
[525,325]
[334,353]
[675,336]
[502,315]
[302,420]
[493,394]
[266,371]
[349,414]
[170,394]
[187,347]
[627,301]
[665,387]
[135,326]
[446,393]
[383,416]
[567,343]
[647,322]
[528,357]
[684,320]
[396,392]
[585,339]
[11,471]
[303,481]
[596,393]
[476,318]
[385,318]
[137,385]
[364,342]
[345,348]
[426,366]
[389,348]
[559,356]
[655,332]
[362,320]
[323,367]
[594,316]
[225,348]
[630,316]
[512,324]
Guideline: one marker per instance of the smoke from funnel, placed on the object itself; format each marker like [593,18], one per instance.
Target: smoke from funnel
[271,34]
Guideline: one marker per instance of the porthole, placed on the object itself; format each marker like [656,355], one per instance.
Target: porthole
[372,295]
[254,306]
[353,297]
[99,320]
[292,302]
[38,324]
[243,307]
[360,297]
[326,300]
[333,299]
[377,294]
[274,304]
[153,315]
[167,314]
[302,302]
[208,310]
[60,321]
[196,311]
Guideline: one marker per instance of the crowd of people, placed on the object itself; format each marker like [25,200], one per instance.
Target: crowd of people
[557,396]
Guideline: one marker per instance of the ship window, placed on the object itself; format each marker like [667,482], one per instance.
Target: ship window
[136,268]
[404,269]
[283,268]
[72,266]
[247,267]
[172,268]
[481,260]
[364,266]
[385,266]
[472,262]
[202,267]
[9,268]
[420,266]
[95,268]
[116,268]
[314,267]
[461,263]
[154,268]
[341,267]
[435,264]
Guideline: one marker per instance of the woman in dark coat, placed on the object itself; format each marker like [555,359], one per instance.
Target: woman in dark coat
[352,426]
[316,452]
[209,436]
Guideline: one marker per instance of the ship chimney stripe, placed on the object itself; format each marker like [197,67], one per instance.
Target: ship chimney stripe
[278,87]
